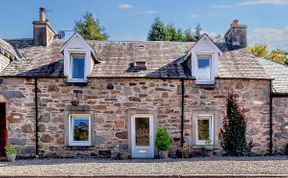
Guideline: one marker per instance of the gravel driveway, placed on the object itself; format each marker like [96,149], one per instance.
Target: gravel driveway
[277,166]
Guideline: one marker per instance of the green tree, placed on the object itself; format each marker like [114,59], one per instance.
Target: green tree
[161,32]
[157,31]
[233,135]
[170,32]
[193,36]
[279,56]
[180,36]
[90,28]
[198,33]
[189,36]
[173,34]
[259,50]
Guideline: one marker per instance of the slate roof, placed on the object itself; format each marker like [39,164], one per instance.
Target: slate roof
[279,72]
[7,49]
[164,60]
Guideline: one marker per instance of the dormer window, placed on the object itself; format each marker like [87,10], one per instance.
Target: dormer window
[79,59]
[204,68]
[78,66]
[204,60]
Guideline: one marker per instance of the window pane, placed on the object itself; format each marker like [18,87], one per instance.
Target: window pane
[142,131]
[80,129]
[204,69]
[78,66]
[203,129]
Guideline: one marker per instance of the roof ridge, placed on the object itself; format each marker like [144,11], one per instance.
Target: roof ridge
[272,60]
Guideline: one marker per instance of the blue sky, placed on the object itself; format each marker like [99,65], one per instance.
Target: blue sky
[267,20]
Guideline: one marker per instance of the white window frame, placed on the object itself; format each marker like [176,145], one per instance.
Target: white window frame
[71,67]
[211,128]
[212,78]
[70,74]
[79,143]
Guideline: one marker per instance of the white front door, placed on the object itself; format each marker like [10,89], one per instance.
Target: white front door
[142,136]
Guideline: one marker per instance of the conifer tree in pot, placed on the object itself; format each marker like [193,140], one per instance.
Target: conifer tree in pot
[162,142]
[233,134]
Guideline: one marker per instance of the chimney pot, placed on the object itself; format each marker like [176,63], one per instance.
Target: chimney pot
[235,23]
[42,14]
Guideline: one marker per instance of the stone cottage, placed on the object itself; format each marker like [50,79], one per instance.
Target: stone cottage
[99,98]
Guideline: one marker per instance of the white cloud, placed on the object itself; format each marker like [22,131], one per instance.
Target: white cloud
[251,3]
[255,2]
[193,16]
[148,12]
[222,6]
[274,38]
[125,6]
[196,16]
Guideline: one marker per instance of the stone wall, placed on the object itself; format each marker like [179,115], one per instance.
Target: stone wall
[19,95]
[253,98]
[280,124]
[111,99]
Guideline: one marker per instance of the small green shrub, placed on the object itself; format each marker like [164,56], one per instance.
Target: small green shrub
[9,149]
[208,142]
[162,140]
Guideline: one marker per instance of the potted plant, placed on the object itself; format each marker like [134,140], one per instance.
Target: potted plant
[10,152]
[208,145]
[162,142]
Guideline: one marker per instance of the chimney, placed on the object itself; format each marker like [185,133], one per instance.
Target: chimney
[236,36]
[43,33]
[42,14]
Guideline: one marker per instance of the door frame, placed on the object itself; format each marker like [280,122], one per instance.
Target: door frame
[151,129]
[135,111]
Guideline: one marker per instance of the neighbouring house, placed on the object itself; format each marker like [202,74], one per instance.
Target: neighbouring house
[99,98]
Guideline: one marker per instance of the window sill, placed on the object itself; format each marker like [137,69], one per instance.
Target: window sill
[214,147]
[201,82]
[70,147]
[74,83]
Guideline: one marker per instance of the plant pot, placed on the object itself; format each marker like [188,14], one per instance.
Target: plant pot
[163,154]
[124,156]
[11,157]
[208,147]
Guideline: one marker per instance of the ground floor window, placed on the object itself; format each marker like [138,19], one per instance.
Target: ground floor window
[79,130]
[204,129]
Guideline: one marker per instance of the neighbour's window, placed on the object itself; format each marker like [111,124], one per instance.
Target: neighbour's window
[78,66]
[79,130]
[204,68]
[204,129]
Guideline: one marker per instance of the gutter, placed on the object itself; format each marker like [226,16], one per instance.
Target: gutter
[36,116]
[182,112]
[270,119]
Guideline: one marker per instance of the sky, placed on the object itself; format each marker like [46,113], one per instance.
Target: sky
[126,20]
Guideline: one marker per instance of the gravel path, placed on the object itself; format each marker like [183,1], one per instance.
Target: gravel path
[277,166]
